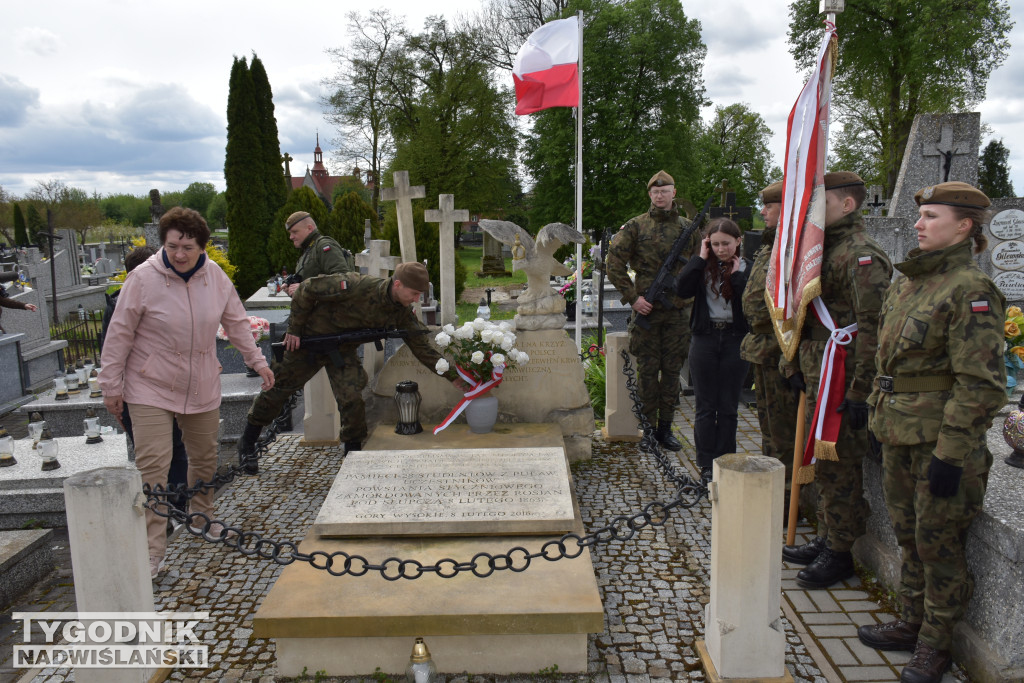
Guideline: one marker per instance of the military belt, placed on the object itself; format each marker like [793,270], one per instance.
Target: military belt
[762,328]
[912,385]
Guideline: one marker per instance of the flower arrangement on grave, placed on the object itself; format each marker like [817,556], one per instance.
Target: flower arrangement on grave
[259,327]
[568,288]
[1013,356]
[480,352]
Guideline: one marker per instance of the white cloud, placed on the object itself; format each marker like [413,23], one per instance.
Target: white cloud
[16,99]
[37,41]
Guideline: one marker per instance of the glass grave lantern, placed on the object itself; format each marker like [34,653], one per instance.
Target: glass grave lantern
[60,387]
[94,385]
[36,425]
[71,381]
[407,398]
[91,424]
[421,667]
[47,448]
[6,449]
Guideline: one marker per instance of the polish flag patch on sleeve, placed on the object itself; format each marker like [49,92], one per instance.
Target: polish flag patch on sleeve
[327,248]
[343,285]
[979,306]
[864,261]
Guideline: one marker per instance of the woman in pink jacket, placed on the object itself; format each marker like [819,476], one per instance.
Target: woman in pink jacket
[160,356]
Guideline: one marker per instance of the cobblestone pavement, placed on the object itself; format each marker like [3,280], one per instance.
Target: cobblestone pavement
[654,586]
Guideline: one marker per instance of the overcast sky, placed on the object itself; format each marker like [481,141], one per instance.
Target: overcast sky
[123,95]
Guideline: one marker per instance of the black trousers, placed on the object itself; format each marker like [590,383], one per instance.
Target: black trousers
[717,372]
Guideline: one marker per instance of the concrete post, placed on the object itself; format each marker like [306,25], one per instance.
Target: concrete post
[743,634]
[321,421]
[619,421]
[106,520]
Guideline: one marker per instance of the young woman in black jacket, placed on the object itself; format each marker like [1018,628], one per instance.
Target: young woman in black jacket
[716,278]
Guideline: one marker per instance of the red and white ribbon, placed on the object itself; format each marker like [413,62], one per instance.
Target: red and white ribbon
[479,389]
[826,421]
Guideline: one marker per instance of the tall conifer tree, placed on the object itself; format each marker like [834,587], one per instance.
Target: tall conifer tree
[247,215]
[273,179]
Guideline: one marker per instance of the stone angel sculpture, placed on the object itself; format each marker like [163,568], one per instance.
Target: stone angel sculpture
[540,306]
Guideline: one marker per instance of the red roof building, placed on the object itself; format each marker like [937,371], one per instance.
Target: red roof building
[321,181]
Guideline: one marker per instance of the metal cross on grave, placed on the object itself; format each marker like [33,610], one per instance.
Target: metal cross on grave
[945,150]
[728,209]
[402,194]
[446,216]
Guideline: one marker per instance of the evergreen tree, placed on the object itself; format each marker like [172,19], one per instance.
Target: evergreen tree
[282,253]
[35,222]
[994,170]
[244,174]
[347,224]
[20,233]
[273,178]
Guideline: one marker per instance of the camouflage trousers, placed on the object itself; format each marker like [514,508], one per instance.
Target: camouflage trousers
[660,353]
[842,510]
[297,368]
[776,413]
[935,584]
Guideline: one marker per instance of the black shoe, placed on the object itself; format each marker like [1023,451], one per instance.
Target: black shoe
[355,445]
[829,568]
[893,635]
[665,438]
[706,475]
[247,457]
[927,665]
[804,554]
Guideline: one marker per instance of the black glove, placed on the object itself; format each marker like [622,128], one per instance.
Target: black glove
[943,478]
[874,447]
[856,413]
[797,385]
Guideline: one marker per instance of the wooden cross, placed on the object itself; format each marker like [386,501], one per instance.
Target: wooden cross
[377,259]
[729,208]
[402,194]
[945,151]
[286,158]
[445,216]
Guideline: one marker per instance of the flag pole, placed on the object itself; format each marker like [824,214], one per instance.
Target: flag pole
[579,184]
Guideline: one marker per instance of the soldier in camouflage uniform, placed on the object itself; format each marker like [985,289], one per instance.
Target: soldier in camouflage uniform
[855,273]
[334,303]
[321,255]
[643,243]
[941,380]
[776,407]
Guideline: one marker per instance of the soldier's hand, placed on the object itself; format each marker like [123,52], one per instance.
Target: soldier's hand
[797,385]
[943,478]
[291,288]
[856,413]
[642,306]
[291,342]
[461,384]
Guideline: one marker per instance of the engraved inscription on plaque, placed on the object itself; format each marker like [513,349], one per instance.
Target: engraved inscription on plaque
[456,492]
[1008,255]
[1011,284]
[1008,224]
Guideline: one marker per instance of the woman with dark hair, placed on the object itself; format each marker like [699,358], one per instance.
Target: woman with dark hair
[716,279]
[160,357]
[941,381]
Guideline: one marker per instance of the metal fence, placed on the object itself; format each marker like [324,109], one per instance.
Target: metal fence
[82,336]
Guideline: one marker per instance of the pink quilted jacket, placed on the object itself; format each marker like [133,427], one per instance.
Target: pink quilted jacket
[161,346]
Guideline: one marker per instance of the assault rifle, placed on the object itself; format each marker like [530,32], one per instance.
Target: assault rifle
[329,343]
[664,286]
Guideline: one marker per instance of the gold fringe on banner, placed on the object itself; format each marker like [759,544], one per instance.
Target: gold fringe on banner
[825,450]
[788,331]
[805,475]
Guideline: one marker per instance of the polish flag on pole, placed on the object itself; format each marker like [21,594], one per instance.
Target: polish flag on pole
[546,72]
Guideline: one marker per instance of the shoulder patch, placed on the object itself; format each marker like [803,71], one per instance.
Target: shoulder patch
[980,306]
[343,285]
[327,247]
[864,260]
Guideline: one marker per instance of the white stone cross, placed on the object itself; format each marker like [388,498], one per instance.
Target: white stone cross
[403,195]
[445,216]
[377,259]
[945,151]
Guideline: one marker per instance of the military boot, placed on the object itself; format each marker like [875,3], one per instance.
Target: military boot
[247,457]
[893,635]
[354,445]
[828,568]
[804,554]
[665,438]
[927,665]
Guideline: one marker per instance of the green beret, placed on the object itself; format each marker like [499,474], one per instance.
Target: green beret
[660,179]
[952,193]
[833,181]
[772,194]
[295,218]
[413,275]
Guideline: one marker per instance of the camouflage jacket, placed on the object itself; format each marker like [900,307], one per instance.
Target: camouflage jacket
[643,243]
[321,255]
[760,345]
[855,273]
[942,317]
[334,303]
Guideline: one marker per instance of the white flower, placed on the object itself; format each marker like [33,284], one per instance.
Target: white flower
[477,358]
[449,328]
[443,339]
[506,342]
[504,326]
[464,332]
[487,336]
[498,359]
[524,358]
[479,324]
[442,366]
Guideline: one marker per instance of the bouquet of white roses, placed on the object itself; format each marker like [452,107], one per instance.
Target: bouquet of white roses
[480,350]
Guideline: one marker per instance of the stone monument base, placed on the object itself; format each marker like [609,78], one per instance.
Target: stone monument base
[506,623]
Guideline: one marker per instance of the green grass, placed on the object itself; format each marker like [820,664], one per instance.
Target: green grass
[471,258]
[468,312]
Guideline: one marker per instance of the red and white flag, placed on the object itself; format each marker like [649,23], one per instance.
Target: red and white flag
[794,271]
[546,72]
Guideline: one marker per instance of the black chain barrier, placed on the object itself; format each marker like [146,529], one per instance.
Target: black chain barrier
[688,493]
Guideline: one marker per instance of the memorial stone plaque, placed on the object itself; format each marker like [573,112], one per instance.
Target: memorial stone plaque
[1008,255]
[1011,284]
[1008,224]
[478,491]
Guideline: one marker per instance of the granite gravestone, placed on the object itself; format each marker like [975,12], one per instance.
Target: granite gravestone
[492,263]
[1004,258]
